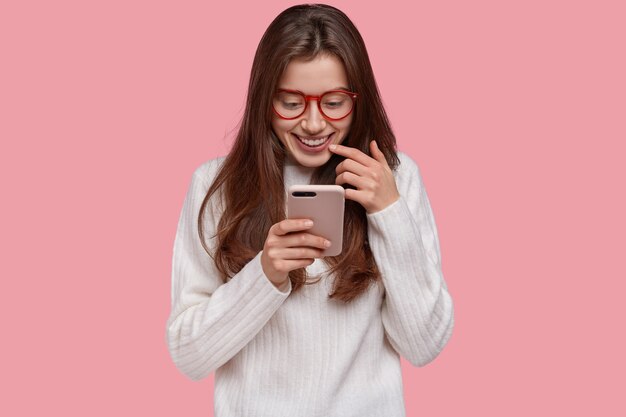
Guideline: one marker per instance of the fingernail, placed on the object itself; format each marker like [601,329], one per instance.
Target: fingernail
[332,147]
[308,223]
[327,243]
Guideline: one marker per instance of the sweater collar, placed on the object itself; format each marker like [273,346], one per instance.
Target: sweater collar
[295,173]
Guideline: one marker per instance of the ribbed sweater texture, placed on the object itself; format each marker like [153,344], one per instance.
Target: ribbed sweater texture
[278,354]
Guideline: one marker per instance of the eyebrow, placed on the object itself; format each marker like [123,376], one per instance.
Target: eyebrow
[335,88]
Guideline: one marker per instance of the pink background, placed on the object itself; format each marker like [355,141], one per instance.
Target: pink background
[515,112]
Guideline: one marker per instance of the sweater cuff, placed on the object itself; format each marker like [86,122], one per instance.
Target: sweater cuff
[285,287]
[393,227]
[265,285]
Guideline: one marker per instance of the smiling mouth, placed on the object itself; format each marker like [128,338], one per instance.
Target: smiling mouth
[313,143]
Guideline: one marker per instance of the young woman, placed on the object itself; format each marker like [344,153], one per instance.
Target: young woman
[287,332]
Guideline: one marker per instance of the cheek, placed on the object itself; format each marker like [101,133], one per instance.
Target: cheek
[347,122]
[281,130]
[281,126]
[345,126]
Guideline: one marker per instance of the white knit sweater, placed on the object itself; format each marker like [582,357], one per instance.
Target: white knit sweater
[277,354]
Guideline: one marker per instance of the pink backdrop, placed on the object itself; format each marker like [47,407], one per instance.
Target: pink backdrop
[514,112]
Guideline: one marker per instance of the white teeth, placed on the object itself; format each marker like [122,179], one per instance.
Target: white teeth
[310,142]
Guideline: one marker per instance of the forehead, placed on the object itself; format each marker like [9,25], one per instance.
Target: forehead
[325,72]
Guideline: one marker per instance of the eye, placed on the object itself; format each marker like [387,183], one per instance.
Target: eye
[335,100]
[291,105]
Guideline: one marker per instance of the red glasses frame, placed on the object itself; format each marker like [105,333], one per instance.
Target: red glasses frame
[307,98]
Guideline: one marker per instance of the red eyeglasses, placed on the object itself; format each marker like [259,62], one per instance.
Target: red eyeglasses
[333,104]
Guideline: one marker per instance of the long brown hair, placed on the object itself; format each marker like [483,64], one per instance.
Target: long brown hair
[251,176]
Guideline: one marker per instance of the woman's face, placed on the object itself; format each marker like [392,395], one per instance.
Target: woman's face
[313,78]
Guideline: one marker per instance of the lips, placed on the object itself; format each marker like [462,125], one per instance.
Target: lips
[312,137]
[313,141]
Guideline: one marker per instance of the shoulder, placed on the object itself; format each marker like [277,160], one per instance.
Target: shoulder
[407,173]
[407,163]
[201,180]
[208,170]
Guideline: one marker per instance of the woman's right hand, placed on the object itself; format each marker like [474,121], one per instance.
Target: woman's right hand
[287,248]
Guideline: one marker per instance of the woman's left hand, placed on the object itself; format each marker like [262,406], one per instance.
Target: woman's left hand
[376,186]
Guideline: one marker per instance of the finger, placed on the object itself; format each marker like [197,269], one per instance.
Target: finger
[299,253]
[359,182]
[303,239]
[377,153]
[350,165]
[290,225]
[356,195]
[352,153]
[290,265]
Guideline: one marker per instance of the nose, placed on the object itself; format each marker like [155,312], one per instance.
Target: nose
[313,121]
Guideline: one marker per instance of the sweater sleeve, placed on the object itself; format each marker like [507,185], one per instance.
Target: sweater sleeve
[211,321]
[417,311]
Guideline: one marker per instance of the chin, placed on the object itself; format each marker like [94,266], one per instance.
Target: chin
[312,161]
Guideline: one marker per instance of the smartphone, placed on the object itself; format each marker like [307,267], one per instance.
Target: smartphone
[324,204]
